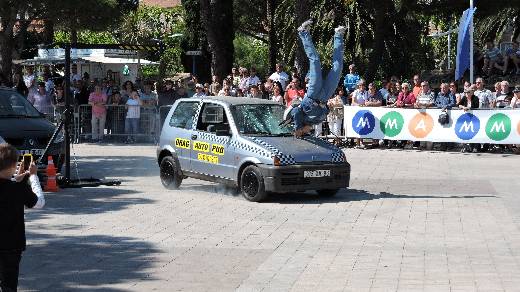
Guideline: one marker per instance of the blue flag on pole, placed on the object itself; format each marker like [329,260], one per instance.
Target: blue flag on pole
[463,44]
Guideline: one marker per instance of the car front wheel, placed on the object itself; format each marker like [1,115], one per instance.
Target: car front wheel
[171,177]
[252,184]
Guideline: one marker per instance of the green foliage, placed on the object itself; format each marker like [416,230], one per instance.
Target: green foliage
[86,37]
[94,15]
[149,24]
[251,52]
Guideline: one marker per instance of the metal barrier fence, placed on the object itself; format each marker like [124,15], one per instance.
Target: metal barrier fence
[149,125]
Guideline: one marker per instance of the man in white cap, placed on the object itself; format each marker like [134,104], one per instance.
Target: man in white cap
[199,91]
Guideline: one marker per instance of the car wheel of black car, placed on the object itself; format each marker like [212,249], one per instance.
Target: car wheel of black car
[252,184]
[170,173]
[328,192]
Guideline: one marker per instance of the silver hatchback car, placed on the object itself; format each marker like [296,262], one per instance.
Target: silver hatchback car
[239,142]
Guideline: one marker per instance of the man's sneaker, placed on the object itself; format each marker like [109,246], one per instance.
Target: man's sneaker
[340,30]
[306,26]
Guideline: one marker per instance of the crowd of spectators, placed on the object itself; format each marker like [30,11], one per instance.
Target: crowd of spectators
[47,92]
[114,109]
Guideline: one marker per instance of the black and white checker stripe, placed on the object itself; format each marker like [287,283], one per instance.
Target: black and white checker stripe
[212,137]
[251,148]
[197,112]
[338,157]
[284,159]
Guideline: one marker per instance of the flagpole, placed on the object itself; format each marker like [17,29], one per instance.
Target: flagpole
[471,46]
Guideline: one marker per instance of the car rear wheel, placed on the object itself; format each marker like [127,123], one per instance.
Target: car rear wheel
[328,192]
[252,184]
[170,173]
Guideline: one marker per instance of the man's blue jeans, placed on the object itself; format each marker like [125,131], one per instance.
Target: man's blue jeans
[313,109]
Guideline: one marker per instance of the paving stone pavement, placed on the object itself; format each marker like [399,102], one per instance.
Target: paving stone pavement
[411,221]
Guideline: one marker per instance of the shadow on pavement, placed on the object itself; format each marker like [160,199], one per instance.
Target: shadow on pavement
[352,195]
[113,166]
[85,263]
[87,201]
[311,197]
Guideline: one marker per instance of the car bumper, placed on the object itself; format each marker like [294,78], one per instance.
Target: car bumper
[282,179]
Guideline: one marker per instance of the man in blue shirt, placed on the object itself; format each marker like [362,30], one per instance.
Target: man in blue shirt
[444,99]
[385,91]
[313,109]
[351,79]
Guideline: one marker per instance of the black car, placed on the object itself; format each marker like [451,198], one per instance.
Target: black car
[24,127]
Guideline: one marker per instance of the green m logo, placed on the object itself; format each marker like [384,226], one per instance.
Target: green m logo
[498,127]
[391,124]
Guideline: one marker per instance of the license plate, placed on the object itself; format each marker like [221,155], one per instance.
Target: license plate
[37,152]
[316,173]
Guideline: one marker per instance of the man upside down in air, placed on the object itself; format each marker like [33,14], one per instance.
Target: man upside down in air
[313,108]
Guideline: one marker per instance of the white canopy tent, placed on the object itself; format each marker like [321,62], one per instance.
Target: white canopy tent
[96,62]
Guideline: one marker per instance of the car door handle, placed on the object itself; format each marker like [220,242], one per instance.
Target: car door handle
[193,137]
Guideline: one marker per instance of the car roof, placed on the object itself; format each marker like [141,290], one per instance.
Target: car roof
[231,100]
[6,88]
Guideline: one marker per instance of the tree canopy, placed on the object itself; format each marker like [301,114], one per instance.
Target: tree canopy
[384,37]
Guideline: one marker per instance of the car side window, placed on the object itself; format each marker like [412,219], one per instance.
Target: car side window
[212,117]
[184,114]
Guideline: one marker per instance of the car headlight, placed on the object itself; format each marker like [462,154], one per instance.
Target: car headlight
[60,137]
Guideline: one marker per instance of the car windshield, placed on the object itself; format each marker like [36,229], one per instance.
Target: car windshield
[12,104]
[260,119]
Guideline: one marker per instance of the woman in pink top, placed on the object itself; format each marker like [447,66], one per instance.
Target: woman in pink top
[98,100]
[293,92]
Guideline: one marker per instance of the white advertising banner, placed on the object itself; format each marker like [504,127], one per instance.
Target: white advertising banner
[473,126]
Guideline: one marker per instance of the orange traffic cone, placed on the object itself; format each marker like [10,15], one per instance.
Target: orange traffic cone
[51,185]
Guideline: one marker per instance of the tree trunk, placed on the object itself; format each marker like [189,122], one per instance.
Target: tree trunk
[217,20]
[73,36]
[195,39]
[380,29]
[272,40]
[48,31]
[7,46]
[6,56]
[302,10]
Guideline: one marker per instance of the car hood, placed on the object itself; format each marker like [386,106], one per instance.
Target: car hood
[301,150]
[16,128]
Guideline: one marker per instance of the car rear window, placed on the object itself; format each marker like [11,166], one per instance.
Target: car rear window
[184,114]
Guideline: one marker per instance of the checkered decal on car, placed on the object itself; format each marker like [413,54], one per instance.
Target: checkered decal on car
[284,159]
[194,125]
[338,157]
[212,137]
[251,148]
